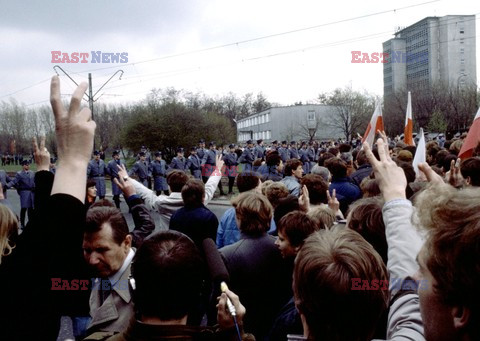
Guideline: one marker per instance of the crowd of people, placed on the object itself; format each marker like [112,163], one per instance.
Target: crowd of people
[322,243]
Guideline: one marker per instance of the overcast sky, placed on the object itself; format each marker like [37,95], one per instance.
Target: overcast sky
[289,50]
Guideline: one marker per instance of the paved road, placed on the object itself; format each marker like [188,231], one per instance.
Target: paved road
[218,206]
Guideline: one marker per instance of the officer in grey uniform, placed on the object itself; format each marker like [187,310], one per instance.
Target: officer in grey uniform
[283,151]
[303,154]
[194,164]
[231,163]
[274,145]
[112,170]
[140,169]
[4,180]
[201,149]
[158,169]
[179,161]
[24,182]
[293,152]
[259,151]
[247,157]
[311,154]
[96,171]
[211,164]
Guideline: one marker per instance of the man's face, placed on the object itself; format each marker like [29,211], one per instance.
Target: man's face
[202,145]
[96,157]
[143,158]
[116,157]
[298,172]
[102,253]
[437,317]
[26,167]
[286,249]
[280,166]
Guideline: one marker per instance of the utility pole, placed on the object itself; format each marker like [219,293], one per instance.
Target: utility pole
[90,88]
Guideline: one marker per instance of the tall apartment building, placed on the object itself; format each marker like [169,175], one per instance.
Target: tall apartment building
[435,50]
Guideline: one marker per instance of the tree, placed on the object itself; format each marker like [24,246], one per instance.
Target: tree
[353,110]
[437,123]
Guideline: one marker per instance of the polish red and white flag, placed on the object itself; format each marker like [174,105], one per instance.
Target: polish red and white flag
[408,132]
[472,139]
[376,124]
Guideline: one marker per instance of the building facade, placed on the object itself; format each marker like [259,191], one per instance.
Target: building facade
[433,51]
[297,122]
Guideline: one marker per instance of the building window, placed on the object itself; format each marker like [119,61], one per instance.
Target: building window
[462,31]
[268,117]
[311,115]
[269,134]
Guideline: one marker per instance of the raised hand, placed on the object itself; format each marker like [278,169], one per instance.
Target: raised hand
[333,202]
[391,178]
[41,154]
[304,199]
[122,182]
[74,127]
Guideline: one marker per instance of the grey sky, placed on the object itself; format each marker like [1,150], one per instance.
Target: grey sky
[286,68]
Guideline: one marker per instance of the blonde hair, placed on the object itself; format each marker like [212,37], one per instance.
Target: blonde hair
[253,212]
[8,227]
[323,216]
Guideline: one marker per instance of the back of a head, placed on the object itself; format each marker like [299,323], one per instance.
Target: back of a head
[98,216]
[285,206]
[254,213]
[446,162]
[247,181]
[176,179]
[344,148]
[325,268]
[322,171]
[193,193]
[297,226]
[317,188]
[370,188]
[362,158]
[337,167]
[405,156]
[347,157]
[365,217]
[452,220]
[470,168]
[324,157]
[275,192]
[168,270]
[323,216]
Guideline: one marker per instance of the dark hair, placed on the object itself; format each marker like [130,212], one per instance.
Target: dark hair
[285,206]
[446,161]
[317,188]
[273,158]
[176,179]
[344,148]
[98,216]
[337,167]
[247,180]
[333,150]
[168,271]
[291,165]
[193,193]
[365,217]
[91,183]
[370,187]
[440,156]
[324,157]
[362,158]
[471,168]
[297,226]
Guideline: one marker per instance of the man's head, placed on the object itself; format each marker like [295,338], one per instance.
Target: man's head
[91,189]
[96,155]
[362,158]
[253,213]
[180,152]
[273,159]
[293,229]
[247,181]
[232,148]
[106,242]
[325,266]
[470,169]
[249,144]
[176,179]
[317,188]
[284,144]
[168,271]
[25,165]
[293,167]
[201,143]
[142,156]
[116,155]
[158,156]
[449,262]
[275,192]
[193,193]
[260,142]
[211,145]
[337,167]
